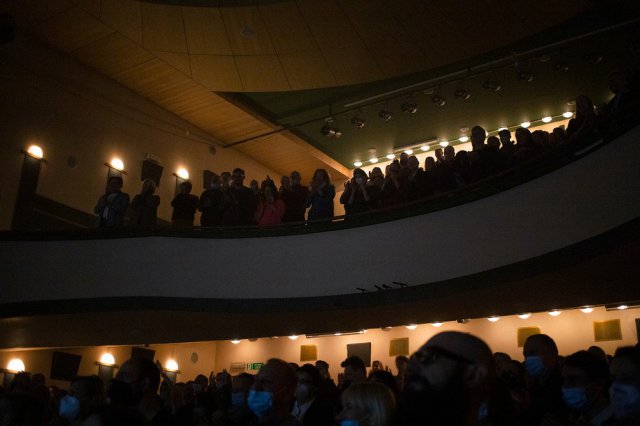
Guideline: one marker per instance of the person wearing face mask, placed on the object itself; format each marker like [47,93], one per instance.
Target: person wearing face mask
[584,383]
[356,197]
[309,407]
[624,392]
[367,404]
[272,394]
[211,203]
[85,398]
[544,400]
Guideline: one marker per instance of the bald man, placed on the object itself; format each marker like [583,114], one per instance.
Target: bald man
[272,394]
[448,381]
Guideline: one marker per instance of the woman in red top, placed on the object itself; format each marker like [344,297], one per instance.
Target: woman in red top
[270,208]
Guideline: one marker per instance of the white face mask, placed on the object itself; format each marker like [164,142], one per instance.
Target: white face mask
[625,400]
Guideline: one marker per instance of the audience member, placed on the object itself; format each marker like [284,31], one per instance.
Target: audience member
[327,390]
[144,206]
[240,202]
[356,198]
[270,208]
[625,387]
[272,394]
[184,206]
[113,205]
[211,203]
[354,371]
[401,365]
[309,408]
[368,404]
[294,197]
[583,128]
[321,195]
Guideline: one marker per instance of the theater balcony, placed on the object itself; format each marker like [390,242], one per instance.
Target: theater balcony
[563,232]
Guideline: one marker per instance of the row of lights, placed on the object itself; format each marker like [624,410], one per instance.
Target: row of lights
[16,364]
[462,139]
[116,163]
[492,318]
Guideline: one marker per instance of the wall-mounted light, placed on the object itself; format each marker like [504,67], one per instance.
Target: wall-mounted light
[424,148]
[358,163]
[444,144]
[107,359]
[408,151]
[35,151]
[171,365]
[554,312]
[567,114]
[586,309]
[182,173]
[525,124]
[494,318]
[391,156]
[16,365]
[373,160]
[622,307]
[115,168]
[464,138]
[106,367]
[412,326]
[547,119]
[524,315]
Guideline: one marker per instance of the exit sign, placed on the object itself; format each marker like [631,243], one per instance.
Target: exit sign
[254,365]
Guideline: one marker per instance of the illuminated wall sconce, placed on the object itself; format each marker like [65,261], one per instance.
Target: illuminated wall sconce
[494,318]
[115,168]
[182,176]
[524,315]
[294,336]
[586,309]
[357,163]
[14,367]
[555,312]
[235,341]
[464,139]
[106,367]
[35,151]
[171,370]
[437,324]
[391,156]
[412,326]
[424,148]
[23,213]
[547,119]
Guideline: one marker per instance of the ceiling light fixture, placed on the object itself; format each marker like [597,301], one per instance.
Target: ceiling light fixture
[547,119]
[492,85]
[329,130]
[494,318]
[525,124]
[409,107]
[586,309]
[358,163]
[373,160]
[358,122]
[412,326]
[424,148]
[408,151]
[524,315]
[437,324]
[385,114]
[561,66]
[525,76]
[444,143]
[464,138]
[391,156]
[235,341]
[554,312]
[463,94]
[567,114]
[438,100]
[623,307]
[293,336]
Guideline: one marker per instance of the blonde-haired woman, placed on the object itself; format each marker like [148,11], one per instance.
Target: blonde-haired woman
[367,404]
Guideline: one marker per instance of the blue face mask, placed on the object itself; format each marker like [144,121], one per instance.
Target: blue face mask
[534,366]
[625,400]
[69,408]
[348,422]
[575,398]
[237,399]
[260,402]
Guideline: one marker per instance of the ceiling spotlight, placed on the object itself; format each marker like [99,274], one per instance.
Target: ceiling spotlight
[554,312]
[358,163]
[444,143]
[544,58]
[235,341]
[412,326]
[594,59]
[330,131]
[567,114]
[294,336]
[424,148]
[623,307]
[492,85]
[547,119]
[408,151]
[358,122]
[409,107]
[493,318]
[385,114]
[463,321]
[525,76]
[561,66]
[524,315]
[386,328]
[463,94]
[587,309]
[437,324]
[525,124]
[464,138]
[438,100]
[391,156]
[373,160]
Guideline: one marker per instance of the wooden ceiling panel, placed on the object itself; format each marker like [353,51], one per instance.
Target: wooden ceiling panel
[216,72]
[246,31]
[305,70]
[179,61]
[162,28]
[72,29]
[113,54]
[124,16]
[261,73]
[287,29]
[344,51]
[151,78]
[24,11]
[206,34]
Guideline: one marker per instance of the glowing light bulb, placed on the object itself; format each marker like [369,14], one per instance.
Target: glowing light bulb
[554,312]
[16,364]
[107,359]
[623,307]
[337,333]
[35,151]
[424,148]
[567,114]
[586,309]
[494,318]
[358,164]
[183,173]
[373,160]
[408,151]
[171,365]
[391,156]
[293,337]
[464,138]
[525,124]
[235,341]
[524,315]
[444,143]
[437,324]
[546,119]
[117,164]
[412,326]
